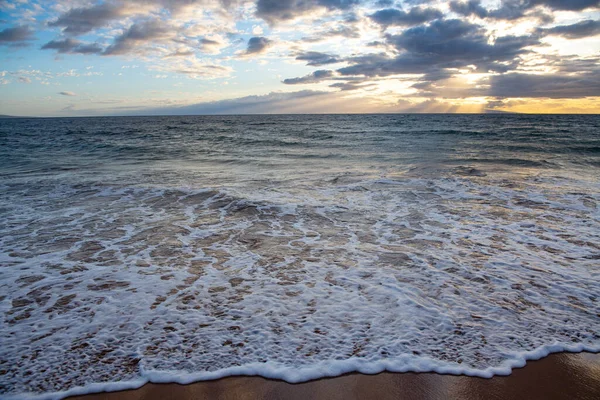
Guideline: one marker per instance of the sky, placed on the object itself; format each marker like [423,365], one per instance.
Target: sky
[145,57]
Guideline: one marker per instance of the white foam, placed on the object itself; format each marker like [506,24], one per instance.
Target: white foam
[109,287]
[323,369]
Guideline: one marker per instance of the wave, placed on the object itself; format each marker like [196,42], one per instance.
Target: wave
[517,162]
[327,369]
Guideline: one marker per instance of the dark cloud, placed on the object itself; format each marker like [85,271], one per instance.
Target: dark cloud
[274,11]
[315,77]
[81,20]
[16,35]
[66,93]
[442,44]
[552,86]
[210,46]
[316,58]
[208,42]
[575,65]
[376,43]
[440,38]
[372,65]
[345,86]
[267,104]
[257,45]
[514,9]
[415,16]
[558,85]
[428,83]
[72,46]
[471,7]
[437,75]
[569,5]
[78,21]
[139,32]
[574,31]
[88,48]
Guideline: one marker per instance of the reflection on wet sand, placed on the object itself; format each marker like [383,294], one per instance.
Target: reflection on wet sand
[558,376]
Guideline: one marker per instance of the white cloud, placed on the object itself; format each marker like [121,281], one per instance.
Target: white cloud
[257,30]
[194,68]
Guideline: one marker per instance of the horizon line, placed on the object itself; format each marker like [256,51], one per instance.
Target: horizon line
[494,113]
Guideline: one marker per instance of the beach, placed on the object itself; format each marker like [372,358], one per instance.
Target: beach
[558,376]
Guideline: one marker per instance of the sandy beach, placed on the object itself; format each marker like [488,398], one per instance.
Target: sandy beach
[558,376]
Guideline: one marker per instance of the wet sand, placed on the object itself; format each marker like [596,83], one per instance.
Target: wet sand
[558,376]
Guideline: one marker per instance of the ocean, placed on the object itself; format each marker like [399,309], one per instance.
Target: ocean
[178,249]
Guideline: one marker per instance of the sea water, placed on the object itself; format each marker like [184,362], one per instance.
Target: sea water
[177,249]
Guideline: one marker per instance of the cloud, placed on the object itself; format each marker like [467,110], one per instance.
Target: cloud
[211,46]
[515,9]
[78,21]
[139,33]
[415,16]
[569,5]
[346,86]
[16,36]
[72,46]
[257,45]
[180,53]
[270,103]
[440,45]
[574,31]
[570,83]
[257,30]
[575,65]
[314,77]
[274,11]
[209,42]
[303,102]
[467,8]
[194,68]
[552,86]
[24,79]
[67,93]
[316,58]
[343,31]
[300,102]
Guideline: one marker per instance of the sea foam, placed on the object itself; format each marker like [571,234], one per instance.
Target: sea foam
[322,370]
[451,276]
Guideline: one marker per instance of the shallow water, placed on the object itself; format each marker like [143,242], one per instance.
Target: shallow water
[294,247]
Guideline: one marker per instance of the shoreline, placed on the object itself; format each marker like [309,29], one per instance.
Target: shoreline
[559,375]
